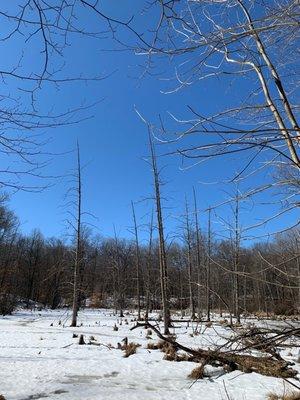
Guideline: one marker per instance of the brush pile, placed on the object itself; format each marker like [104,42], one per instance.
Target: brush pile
[248,350]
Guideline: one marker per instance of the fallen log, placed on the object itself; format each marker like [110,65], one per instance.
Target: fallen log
[231,360]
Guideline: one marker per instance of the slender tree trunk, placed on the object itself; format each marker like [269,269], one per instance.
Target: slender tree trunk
[181,294]
[138,262]
[245,293]
[236,261]
[298,297]
[78,255]
[208,266]
[189,260]
[198,257]
[162,249]
[149,264]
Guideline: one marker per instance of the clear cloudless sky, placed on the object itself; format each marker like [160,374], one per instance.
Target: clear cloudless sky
[113,142]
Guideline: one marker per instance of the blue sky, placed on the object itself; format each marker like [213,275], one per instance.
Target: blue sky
[113,143]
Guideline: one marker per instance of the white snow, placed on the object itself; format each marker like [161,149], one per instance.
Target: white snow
[39,361]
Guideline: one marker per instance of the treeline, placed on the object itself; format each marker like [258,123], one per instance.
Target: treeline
[38,270]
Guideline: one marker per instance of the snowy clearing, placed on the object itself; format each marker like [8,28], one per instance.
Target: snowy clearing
[41,359]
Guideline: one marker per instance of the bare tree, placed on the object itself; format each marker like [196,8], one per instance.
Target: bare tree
[138,262]
[78,260]
[189,260]
[208,267]
[252,50]
[162,248]
[149,268]
[236,261]
[198,252]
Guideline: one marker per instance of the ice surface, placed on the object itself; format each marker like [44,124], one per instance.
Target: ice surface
[40,361]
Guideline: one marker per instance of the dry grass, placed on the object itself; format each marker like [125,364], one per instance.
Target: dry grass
[170,353]
[286,396]
[152,346]
[160,345]
[130,349]
[184,357]
[167,347]
[197,373]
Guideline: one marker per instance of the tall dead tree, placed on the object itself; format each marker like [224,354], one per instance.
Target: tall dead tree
[233,255]
[236,259]
[189,260]
[149,268]
[162,247]
[138,262]
[77,280]
[208,267]
[198,256]
[119,254]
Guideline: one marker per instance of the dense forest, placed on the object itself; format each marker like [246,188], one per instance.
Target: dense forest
[39,270]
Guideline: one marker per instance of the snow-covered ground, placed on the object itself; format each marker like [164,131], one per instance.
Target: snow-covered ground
[39,358]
